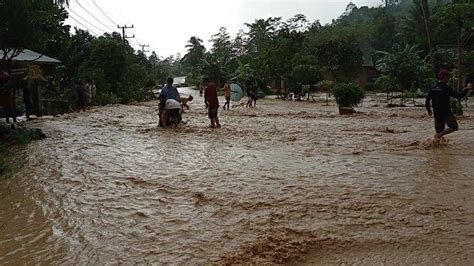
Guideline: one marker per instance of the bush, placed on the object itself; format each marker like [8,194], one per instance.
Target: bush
[105,98]
[456,106]
[418,93]
[348,94]
[326,85]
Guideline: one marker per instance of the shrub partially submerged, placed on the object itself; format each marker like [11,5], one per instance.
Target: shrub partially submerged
[348,94]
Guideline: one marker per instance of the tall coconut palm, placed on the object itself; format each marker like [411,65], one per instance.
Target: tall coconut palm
[61,2]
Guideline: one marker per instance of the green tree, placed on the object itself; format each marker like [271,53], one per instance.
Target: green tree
[29,24]
[221,54]
[306,75]
[340,58]
[193,59]
[403,66]
[413,28]
[195,53]
[455,21]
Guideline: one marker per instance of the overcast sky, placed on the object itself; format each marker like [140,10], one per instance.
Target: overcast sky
[167,25]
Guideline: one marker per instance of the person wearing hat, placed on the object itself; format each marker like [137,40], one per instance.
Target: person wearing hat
[440,96]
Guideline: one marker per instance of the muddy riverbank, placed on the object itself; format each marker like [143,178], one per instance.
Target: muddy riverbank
[286,182]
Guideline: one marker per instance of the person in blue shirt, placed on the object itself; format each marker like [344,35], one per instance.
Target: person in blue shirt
[169,91]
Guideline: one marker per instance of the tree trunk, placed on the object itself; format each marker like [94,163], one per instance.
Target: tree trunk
[427,18]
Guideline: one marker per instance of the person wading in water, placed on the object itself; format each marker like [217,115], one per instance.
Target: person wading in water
[440,95]
[212,102]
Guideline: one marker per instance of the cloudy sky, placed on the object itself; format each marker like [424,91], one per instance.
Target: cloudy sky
[167,25]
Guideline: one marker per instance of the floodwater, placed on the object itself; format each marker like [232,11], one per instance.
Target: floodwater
[286,182]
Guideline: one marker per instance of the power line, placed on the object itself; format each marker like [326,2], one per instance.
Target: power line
[98,20]
[105,14]
[86,28]
[124,35]
[85,20]
[123,31]
[137,42]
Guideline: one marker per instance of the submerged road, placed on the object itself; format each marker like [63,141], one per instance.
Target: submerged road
[286,182]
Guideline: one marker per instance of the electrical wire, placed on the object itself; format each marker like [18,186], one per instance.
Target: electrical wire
[103,12]
[96,19]
[85,21]
[86,28]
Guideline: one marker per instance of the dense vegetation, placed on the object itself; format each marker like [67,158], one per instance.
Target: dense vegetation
[410,40]
[121,73]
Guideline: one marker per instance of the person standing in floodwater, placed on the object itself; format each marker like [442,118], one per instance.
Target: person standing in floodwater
[250,89]
[227,93]
[93,92]
[27,100]
[212,102]
[81,97]
[88,92]
[440,95]
[7,96]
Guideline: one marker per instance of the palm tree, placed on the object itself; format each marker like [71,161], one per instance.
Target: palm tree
[61,2]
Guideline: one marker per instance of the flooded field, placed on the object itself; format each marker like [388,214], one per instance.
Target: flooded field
[286,182]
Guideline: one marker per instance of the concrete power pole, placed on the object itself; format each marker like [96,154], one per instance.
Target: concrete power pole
[124,36]
[143,48]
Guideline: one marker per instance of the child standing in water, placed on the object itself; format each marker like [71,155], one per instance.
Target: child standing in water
[440,95]
[212,102]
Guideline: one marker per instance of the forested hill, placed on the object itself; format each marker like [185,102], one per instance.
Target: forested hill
[408,40]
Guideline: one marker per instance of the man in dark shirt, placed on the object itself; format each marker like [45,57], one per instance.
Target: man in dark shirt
[440,95]
[212,102]
[27,100]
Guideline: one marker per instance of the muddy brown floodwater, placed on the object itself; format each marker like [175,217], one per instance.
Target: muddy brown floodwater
[286,182]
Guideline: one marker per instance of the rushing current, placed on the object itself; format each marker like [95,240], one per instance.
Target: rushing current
[286,182]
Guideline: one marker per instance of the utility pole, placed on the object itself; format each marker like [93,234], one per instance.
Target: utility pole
[124,36]
[143,48]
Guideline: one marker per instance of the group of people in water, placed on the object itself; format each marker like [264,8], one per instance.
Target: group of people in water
[171,104]
[8,99]
[437,103]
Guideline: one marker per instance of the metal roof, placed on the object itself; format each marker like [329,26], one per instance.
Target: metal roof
[30,56]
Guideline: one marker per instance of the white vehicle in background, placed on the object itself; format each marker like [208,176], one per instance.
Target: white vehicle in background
[179,82]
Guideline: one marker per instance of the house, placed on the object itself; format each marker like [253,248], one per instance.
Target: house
[33,67]
[368,73]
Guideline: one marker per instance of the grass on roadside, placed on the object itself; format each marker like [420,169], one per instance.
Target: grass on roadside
[14,137]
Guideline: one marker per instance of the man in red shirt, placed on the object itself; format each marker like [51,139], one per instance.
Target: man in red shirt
[212,102]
